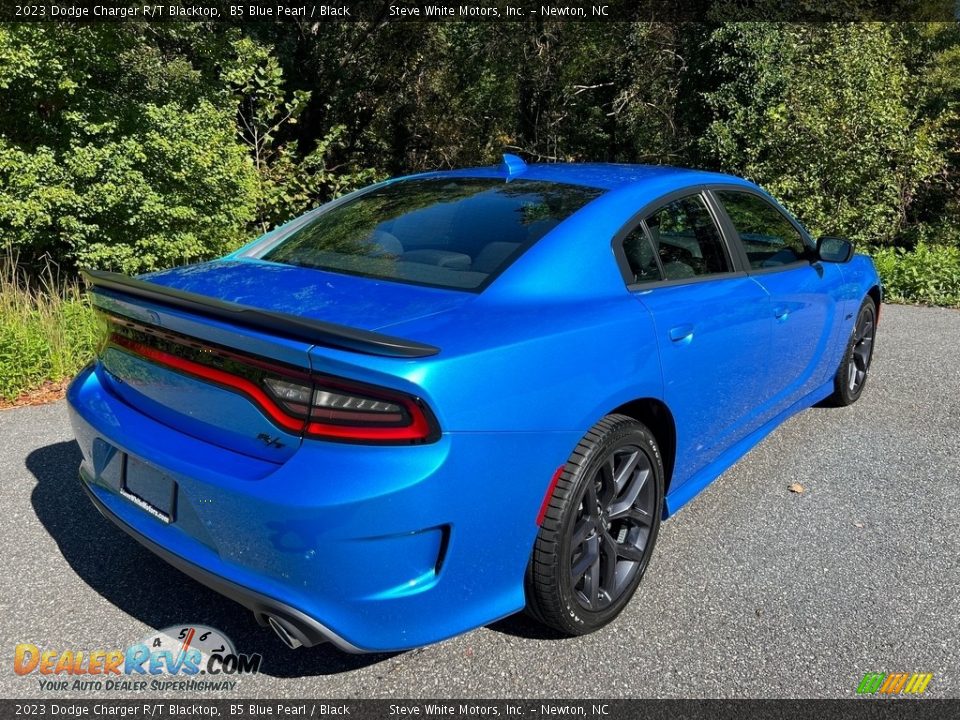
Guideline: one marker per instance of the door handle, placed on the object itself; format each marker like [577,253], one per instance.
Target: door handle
[681,333]
[781,313]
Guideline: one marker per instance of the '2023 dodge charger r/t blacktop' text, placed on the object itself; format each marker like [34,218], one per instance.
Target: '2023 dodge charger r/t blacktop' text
[445,398]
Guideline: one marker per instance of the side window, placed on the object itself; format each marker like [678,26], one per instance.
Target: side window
[687,239]
[640,257]
[768,237]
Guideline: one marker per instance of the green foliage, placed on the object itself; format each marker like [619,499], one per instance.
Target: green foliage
[927,274]
[291,184]
[96,171]
[176,190]
[287,183]
[934,52]
[456,94]
[137,146]
[828,118]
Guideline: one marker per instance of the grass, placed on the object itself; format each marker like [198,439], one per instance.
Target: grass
[48,330]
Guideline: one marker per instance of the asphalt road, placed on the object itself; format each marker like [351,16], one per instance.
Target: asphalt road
[754,591]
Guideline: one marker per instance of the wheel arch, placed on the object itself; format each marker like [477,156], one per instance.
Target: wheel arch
[876,294]
[659,420]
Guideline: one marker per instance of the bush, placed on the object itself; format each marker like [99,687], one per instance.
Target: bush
[928,274]
[827,117]
[114,151]
[48,331]
[177,190]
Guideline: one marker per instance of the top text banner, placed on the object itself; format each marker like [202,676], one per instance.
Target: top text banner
[375,11]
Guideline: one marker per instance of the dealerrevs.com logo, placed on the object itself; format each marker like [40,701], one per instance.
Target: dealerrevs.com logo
[179,658]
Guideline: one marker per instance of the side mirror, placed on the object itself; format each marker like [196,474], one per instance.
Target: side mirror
[834,249]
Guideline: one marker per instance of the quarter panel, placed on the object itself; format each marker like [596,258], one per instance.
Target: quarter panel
[523,367]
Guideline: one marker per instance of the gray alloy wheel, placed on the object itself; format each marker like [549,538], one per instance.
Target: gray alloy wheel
[854,368]
[600,528]
[611,528]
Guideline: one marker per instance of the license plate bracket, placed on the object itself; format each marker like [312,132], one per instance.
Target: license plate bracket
[149,489]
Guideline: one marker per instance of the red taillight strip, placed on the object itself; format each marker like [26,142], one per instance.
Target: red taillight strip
[419,428]
[242,385]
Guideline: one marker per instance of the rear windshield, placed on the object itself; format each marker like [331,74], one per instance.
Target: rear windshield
[451,232]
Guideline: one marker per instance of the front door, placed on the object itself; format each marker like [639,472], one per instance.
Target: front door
[804,296]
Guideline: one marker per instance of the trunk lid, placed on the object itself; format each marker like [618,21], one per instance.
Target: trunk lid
[350,300]
[170,356]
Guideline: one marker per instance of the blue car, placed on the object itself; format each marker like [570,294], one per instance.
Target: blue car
[449,397]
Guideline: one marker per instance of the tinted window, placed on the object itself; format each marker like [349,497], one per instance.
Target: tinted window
[452,233]
[640,256]
[768,237]
[687,239]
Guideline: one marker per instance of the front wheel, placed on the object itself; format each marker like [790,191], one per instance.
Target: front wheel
[599,530]
[851,376]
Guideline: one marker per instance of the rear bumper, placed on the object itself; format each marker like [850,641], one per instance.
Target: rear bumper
[372,548]
[311,632]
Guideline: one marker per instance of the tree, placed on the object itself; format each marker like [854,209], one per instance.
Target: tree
[287,184]
[113,151]
[828,118]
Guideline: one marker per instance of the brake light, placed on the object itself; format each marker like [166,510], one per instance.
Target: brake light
[337,408]
[316,405]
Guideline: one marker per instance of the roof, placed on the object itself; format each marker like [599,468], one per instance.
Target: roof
[606,176]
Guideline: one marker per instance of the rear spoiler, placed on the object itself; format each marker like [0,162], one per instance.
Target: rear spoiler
[291,326]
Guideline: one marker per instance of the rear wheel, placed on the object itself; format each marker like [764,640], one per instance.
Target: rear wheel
[851,376]
[599,530]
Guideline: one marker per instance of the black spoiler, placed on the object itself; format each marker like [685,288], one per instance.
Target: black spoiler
[291,326]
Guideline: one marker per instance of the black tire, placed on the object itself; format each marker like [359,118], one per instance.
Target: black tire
[851,377]
[608,518]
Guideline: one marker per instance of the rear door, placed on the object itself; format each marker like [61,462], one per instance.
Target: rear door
[713,326]
[805,294]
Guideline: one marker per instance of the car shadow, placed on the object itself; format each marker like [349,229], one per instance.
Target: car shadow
[827,404]
[148,589]
[523,626]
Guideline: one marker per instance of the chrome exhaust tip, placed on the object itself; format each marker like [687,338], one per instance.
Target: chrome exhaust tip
[285,632]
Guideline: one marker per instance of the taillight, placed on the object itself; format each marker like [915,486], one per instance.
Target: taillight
[319,406]
[338,408]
